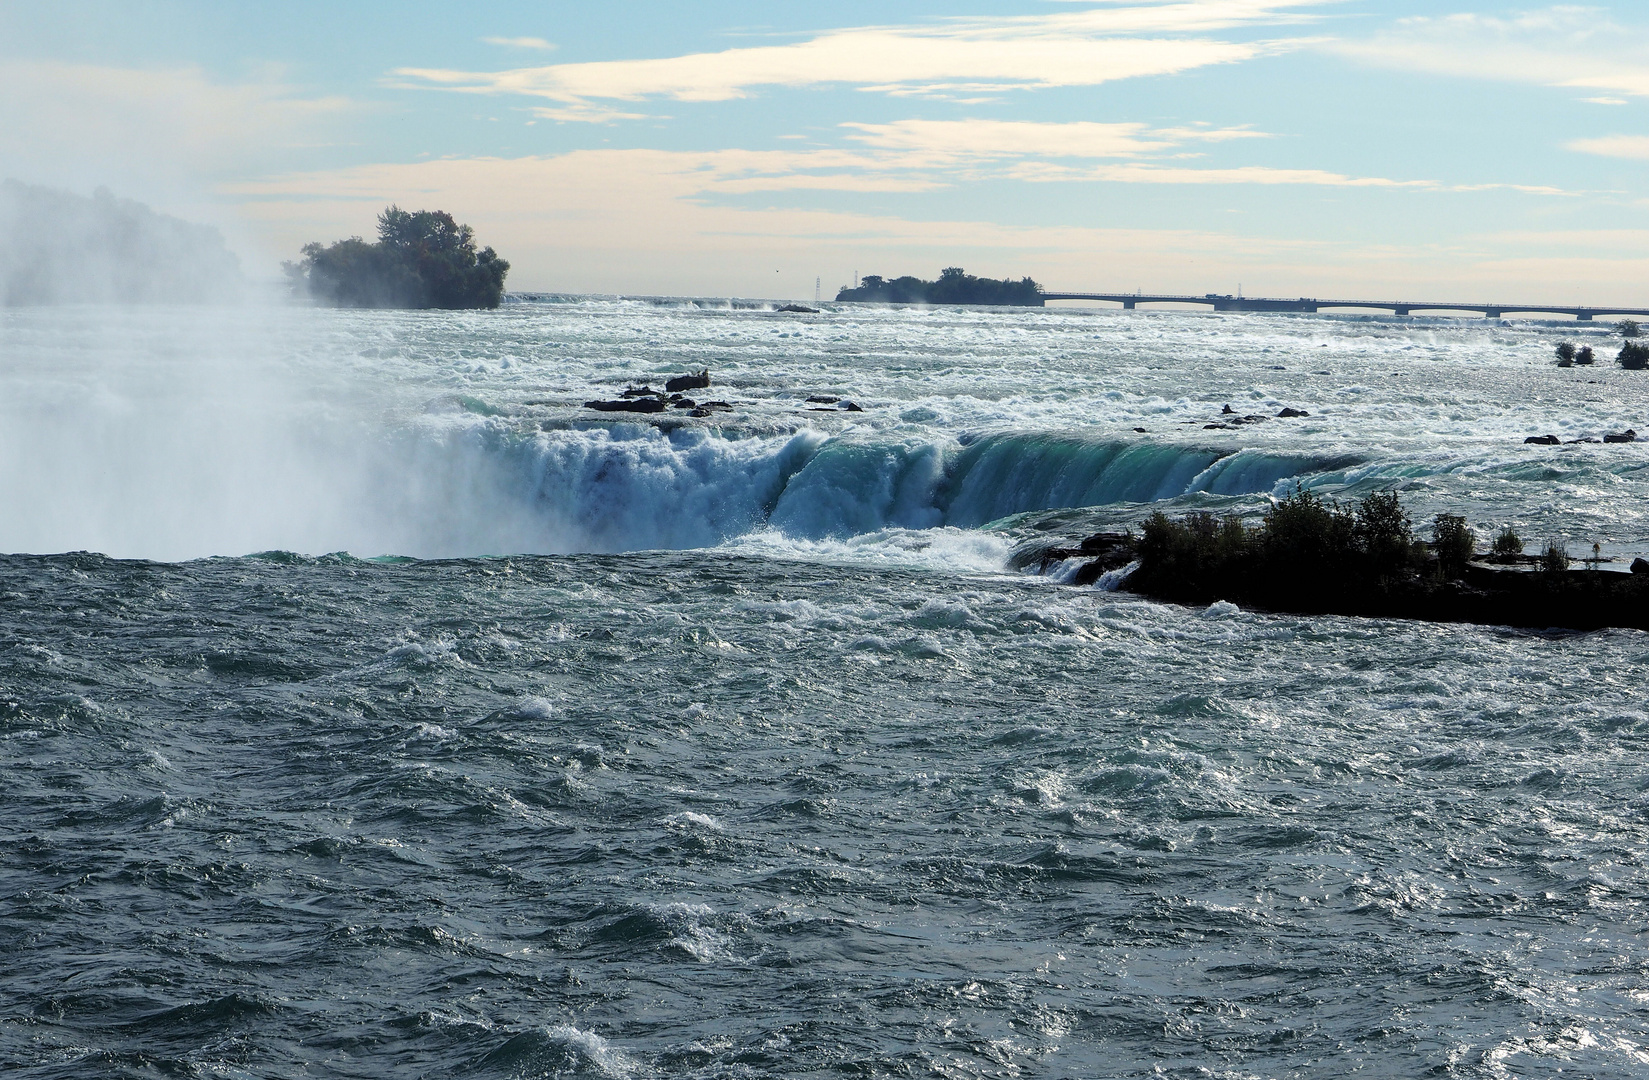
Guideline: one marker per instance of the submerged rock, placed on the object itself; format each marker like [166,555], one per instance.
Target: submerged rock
[799,309]
[1621,436]
[1543,440]
[1288,412]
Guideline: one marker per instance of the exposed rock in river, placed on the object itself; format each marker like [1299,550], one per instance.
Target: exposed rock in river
[635,405]
[694,381]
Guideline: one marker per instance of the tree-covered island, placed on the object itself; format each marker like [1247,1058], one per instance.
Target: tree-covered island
[422,259]
[955,286]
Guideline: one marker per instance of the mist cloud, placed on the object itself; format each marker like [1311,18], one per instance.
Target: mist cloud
[59,247]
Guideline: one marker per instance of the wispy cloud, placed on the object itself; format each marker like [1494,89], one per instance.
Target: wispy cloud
[617,210]
[1632,147]
[584,113]
[959,57]
[948,140]
[1134,173]
[1571,47]
[520,43]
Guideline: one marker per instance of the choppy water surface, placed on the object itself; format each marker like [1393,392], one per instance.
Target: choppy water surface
[828,789]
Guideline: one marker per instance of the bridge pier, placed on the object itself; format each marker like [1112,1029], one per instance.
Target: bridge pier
[1491,314]
[1584,316]
[1127,305]
[1400,311]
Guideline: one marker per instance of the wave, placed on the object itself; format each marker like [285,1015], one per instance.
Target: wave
[998,476]
[636,487]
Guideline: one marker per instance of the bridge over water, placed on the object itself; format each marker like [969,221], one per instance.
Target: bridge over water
[1313,304]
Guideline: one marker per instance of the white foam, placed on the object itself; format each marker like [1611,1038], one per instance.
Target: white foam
[692,818]
[607,1059]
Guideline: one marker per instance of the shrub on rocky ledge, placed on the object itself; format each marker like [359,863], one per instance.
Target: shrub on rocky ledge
[1316,557]
[1304,542]
[1452,541]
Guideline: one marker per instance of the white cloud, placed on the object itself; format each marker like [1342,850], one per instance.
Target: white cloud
[639,221]
[520,43]
[960,139]
[960,56]
[1604,101]
[1632,147]
[1570,47]
[1133,173]
[585,113]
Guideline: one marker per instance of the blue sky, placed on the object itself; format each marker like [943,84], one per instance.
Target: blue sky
[1320,148]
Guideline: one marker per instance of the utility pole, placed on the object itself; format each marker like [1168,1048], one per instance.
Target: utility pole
[816,282]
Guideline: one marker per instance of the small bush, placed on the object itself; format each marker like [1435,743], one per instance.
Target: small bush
[1555,559]
[1384,532]
[1453,541]
[1507,544]
[1633,356]
[1627,328]
[1565,353]
[1583,355]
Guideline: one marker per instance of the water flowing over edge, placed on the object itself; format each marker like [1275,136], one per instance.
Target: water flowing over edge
[635,487]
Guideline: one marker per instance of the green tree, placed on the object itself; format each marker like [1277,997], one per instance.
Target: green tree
[422,259]
[1565,353]
[1627,328]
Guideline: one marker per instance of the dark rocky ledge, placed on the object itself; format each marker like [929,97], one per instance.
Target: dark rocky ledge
[1310,557]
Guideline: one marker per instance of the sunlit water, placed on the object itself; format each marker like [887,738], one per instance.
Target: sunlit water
[734,747]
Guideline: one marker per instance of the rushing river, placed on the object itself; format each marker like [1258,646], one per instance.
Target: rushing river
[367,708]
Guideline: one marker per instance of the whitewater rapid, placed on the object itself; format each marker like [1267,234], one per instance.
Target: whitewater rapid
[179,433]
